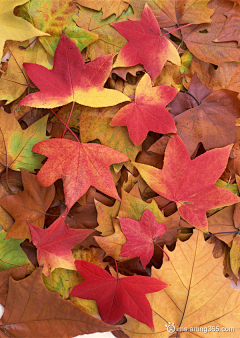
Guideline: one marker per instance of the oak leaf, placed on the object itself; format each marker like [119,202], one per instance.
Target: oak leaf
[16,144]
[117,296]
[54,244]
[30,204]
[79,165]
[33,311]
[80,82]
[199,193]
[13,27]
[142,36]
[148,112]
[197,297]
[141,236]
[108,7]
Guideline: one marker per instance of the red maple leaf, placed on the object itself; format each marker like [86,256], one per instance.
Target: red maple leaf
[190,183]
[54,244]
[71,80]
[148,112]
[141,236]
[117,296]
[146,45]
[79,165]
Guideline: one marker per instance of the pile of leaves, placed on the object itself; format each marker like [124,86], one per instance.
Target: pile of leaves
[119,167]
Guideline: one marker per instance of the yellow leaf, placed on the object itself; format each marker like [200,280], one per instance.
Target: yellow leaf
[13,27]
[198,296]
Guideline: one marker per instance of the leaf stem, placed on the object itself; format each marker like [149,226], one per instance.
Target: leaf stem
[166,205]
[116,267]
[65,125]
[163,251]
[68,119]
[22,47]
[189,24]
[227,232]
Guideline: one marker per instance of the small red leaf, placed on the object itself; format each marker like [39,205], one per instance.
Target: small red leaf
[117,296]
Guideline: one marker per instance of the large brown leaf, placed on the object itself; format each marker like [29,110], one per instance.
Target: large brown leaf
[32,312]
[30,204]
[209,119]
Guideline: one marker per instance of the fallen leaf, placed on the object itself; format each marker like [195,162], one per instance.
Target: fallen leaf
[109,40]
[11,254]
[16,144]
[145,35]
[230,31]
[112,244]
[32,310]
[209,120]
[197,299]
[13,27]
[117,296]
[104,218]
[78,172]
[141,236]
[53,18]
[174,12]
[148,112]
[30,204]
[108,7]
[16,273]
[54,244]
[80,83]
[235,255]
[195,198]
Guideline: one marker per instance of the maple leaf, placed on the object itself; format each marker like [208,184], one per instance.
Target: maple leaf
[235,255]
[33,311]
[142,36]
[13,27]
[198,194]
[54,17]
[112,244]
[16,273]
[30,204]
[11,254]
[174,12]
[16,144]
[81,83]
[95,124]
[200,39]
[108,7]
[148,112]
[54,244]
[208,118]
[141,236]
[116,296]
[196,297]
[104,217]
[14,81]
[109,41]
[231,31]
[79,165]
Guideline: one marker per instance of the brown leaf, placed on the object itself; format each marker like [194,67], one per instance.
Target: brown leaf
[30,204]
[33,311]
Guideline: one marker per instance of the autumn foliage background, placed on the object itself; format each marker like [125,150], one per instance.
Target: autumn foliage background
[120,164]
